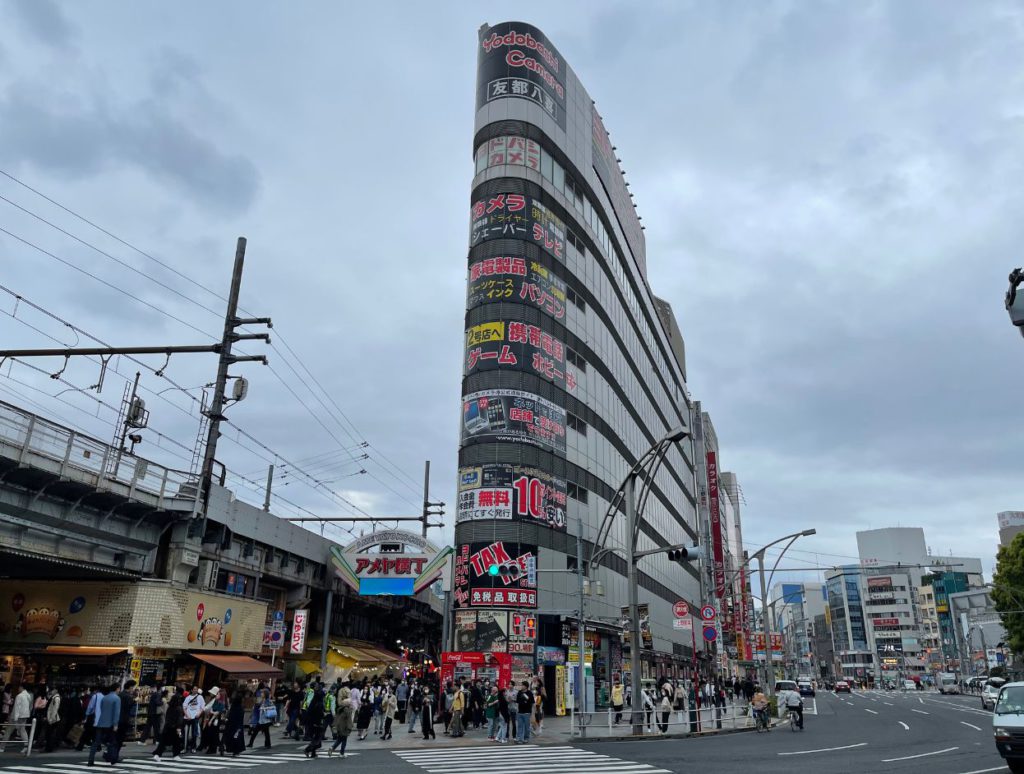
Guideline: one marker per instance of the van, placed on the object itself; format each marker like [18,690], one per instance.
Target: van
[948,683]
[1008,725]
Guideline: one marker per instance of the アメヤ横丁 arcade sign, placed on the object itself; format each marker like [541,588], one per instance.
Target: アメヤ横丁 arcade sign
[403,573]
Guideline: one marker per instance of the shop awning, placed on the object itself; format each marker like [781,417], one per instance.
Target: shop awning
[238,666]
[81,650]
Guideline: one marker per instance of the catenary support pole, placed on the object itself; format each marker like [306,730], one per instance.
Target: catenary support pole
[636,690]
[270,484]
[426,495]
[325,632]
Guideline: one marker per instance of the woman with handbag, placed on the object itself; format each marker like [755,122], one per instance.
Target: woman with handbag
[264,713]
[172,734]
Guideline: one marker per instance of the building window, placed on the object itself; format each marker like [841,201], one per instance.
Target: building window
[574,357]
[577,492]
[573,298]
[573,422]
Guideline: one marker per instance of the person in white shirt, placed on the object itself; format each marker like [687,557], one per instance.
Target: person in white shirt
[20,716]
[355,696]
[193,709]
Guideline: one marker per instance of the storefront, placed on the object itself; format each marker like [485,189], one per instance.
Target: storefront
[352,660]
[88,633]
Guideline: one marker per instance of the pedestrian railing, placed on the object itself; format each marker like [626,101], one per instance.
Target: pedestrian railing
[8,730]
[691,720]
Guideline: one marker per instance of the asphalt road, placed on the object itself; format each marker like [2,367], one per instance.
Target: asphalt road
[868,731]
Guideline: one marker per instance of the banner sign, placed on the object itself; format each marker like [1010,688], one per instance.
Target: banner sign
[517,216]
[880,583]
[300,623]
[475,586]
[517,346]
[644,613]
[512,415]
[506,492]
[718,550]
[880,622]
[517,61]
[550,655]
[399,574]
[516,280]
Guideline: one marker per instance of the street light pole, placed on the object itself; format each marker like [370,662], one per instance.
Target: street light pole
[637,704]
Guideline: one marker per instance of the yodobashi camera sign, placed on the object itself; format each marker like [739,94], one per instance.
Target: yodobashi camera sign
[517,61]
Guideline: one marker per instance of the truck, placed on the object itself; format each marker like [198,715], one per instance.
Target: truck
[948,683]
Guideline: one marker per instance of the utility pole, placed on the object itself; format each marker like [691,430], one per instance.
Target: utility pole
[270,484]
[218,402]
[429,508]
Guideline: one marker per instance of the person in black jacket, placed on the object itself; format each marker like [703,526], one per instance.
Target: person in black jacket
[172,733]
[234,728]
[429,704]
[315,721]
[524,705]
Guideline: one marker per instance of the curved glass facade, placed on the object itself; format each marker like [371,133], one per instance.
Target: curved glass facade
[570,374]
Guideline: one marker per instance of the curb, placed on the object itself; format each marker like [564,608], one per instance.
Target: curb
[654,738]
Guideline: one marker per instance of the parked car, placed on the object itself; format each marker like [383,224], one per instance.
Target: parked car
[806,689]
[1008,725]
[990,692]
[909,685]
[842,686]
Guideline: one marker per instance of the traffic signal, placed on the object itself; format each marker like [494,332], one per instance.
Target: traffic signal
[680,555]
[508,572]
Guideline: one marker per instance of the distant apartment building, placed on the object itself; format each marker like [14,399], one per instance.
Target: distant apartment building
[853,658]
[796,607]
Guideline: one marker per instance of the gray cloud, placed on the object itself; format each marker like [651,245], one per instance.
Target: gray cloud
[44,20]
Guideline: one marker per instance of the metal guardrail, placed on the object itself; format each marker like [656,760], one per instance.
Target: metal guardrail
[36,442]
[23,728]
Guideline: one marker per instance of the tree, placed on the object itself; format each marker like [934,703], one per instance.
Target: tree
[1008,591]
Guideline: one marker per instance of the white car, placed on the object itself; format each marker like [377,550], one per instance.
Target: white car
[990,692]
[909,685]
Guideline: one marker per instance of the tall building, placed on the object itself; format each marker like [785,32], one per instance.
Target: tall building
[572,370]
[1011,524]
[796,607]
[853,658]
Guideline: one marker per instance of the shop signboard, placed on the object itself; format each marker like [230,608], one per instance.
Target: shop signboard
[405,573]
[550,655]
[492,635]
[560,689]
[717,544]
[300,623]
[476,585]
[34,614]
[514,416]
[515,279]
[517,216]
[506,492]
[517,346]
[470,665]
[517,61]
[879,583]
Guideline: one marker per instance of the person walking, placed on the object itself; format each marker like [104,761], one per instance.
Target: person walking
[504,717]
[513,711]
[428,706]
[234,727]
[173,731]
[315,714]
[389,707]
[618,699]
[666,709]
[524,705]
[156,709]
[108,713]
[343,723]
[213,723]
[402,696]
[53,720]
[458,710]
[363,718]
[193,707]
[263,714]
[21,714]
[415,707]
[491,713]
[537,715]
[126,719]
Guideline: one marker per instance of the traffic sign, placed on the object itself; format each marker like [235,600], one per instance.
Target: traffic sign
[710,633]
[279,615]
[708,612]
[680,609]
[683,623]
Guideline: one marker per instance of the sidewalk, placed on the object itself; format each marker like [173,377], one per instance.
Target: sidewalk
[557,730]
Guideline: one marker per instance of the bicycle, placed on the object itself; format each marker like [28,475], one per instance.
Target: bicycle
[793,719]
[761,722]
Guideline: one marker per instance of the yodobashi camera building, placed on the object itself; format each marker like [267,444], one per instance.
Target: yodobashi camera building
[572,370]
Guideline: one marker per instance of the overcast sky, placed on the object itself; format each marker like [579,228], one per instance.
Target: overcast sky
[832,195]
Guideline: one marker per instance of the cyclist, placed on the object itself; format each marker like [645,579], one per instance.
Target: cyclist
[759,704]
[796,704]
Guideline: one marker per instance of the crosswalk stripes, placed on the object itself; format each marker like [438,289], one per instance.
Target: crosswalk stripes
[549,759]
[146,764]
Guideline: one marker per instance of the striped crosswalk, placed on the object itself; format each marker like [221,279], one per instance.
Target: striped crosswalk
[549,759]
[146,765]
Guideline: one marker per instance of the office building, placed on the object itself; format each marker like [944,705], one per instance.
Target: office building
[572,370]
[1011,524]
[853,658]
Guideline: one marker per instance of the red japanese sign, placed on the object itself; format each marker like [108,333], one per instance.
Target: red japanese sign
[471,665]
[493,280]
[717,547]
[512,415]
[508,492]
[475,586]
[518,346]
[517,216]
[880,622]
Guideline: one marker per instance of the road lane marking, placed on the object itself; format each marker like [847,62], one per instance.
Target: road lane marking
[920,712]
[970,725]
[825,749]
[921,755]
[870,710]
[905,726]
[986,771]
[887,703]
[920,699]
